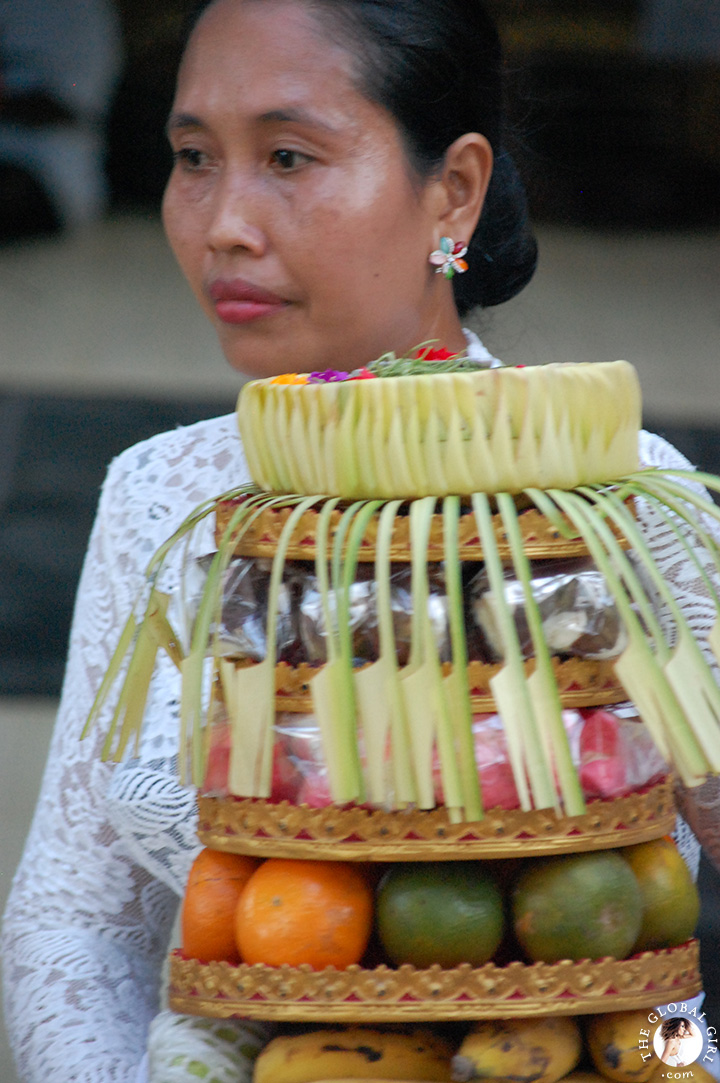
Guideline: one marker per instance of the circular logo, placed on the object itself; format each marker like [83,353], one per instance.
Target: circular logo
[678,1041]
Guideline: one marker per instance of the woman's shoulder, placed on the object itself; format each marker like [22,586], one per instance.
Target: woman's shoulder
[658,452]
[162,479]
[207,438]
[184,457]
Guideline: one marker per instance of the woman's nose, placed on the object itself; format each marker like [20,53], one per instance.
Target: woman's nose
[234,221]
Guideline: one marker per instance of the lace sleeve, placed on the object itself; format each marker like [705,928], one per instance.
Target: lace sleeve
[700,806]
[91,909]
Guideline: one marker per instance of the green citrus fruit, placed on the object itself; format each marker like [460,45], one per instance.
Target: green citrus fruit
[447,913]
[671,904]
[579,906]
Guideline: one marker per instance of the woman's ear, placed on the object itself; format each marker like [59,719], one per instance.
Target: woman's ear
[461,188]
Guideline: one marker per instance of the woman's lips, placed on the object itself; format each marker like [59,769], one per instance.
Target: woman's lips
[238,301]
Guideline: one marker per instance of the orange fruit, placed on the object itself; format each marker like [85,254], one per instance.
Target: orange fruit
[578,906]
[447,913]
[294,912]
[214,886]
[671,903]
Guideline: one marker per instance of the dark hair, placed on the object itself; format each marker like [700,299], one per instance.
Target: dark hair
[672,1027]
[436,66]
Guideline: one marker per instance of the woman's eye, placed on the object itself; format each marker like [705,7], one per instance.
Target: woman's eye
[287,160]
[189,158]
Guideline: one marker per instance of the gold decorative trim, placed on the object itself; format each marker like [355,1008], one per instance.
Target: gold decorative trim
[290,994]
[581,682]
[540,538]
[249,826]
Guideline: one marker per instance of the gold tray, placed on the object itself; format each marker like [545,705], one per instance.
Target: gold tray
[250,826]
[540,538]
[299,994]
[580,683]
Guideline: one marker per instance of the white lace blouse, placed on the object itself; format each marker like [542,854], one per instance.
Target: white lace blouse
[93,902]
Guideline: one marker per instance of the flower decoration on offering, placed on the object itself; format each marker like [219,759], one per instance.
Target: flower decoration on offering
[388,647]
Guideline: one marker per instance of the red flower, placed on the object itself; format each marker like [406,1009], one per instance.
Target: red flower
[362,374]
[436,354]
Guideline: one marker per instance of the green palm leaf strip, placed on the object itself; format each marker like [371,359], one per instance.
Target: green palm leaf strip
[194,668]
[332,686]
[662,502]
[253,687]
[510,688]
[456,684]
[426,707]
[654,494]
[543,685]
[640,670]
[379,704]
[353,525]
[678,498]
[638,653]
[686,669]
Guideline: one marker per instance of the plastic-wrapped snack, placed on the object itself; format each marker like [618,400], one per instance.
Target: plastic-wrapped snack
[614,753]
[363,614]
[611,749]
[299,772]
[578,612]
[244,607]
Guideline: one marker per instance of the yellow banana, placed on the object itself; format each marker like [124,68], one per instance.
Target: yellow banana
[521,1050]
[355,1053]
[620,1046]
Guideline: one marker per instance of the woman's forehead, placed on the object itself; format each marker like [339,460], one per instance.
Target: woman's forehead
[269,59]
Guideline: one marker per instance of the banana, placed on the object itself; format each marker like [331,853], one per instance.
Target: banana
[521,1050]
[585,1075]
[355,1053]
[620,1046]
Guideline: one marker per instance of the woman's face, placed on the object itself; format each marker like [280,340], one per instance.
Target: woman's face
[291,207]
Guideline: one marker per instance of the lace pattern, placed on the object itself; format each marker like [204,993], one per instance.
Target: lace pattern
[93,901]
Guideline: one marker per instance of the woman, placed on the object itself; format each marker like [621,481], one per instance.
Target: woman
[322,150]
[682,1042]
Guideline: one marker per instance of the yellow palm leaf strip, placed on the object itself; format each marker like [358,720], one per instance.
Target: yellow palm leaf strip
[125,642]
[165,635]
[457,682]
[127,637]
[639,670]
[542,682]
[253,717]
[509,687]
[401,774]
[133,697]
[689,674]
